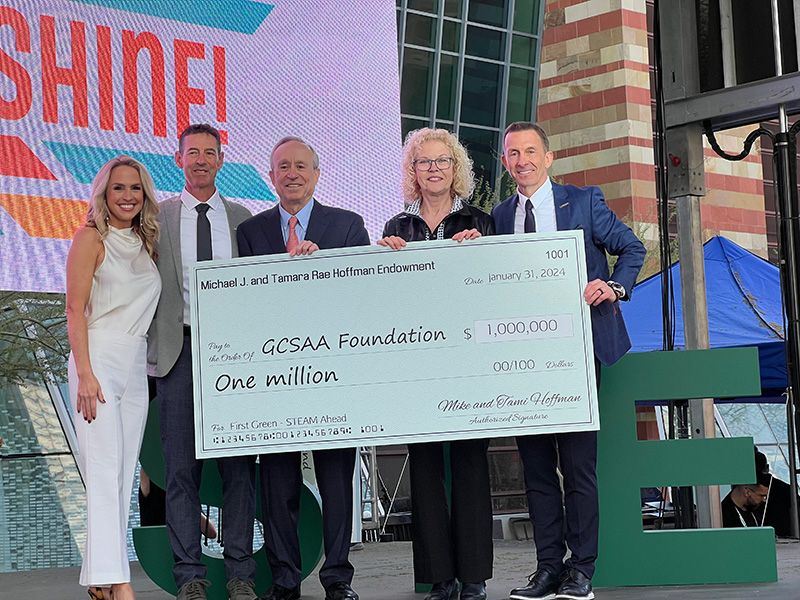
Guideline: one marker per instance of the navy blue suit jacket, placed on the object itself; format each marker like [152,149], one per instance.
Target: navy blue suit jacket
[586,209]
[328,227]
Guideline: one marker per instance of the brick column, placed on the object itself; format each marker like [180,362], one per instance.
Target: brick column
[594,102]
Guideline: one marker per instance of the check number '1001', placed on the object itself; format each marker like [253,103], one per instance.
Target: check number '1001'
[523,328]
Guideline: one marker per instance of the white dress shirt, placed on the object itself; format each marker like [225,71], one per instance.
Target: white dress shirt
[220,237]
[544,209]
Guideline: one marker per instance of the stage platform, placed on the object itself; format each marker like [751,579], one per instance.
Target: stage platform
[383,572]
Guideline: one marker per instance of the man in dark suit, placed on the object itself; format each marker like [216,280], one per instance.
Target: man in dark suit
[540,205]
[199,224]
[300,225]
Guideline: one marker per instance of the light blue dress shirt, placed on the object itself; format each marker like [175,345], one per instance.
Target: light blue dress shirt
[303,215]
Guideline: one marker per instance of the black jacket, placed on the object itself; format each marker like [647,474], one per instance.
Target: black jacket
[413,228]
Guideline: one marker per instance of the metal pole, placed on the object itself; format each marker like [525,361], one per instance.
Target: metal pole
[785,168]
[786,205]
[726,34]
[796,11]
[368,466]
[794,525]
[695,331]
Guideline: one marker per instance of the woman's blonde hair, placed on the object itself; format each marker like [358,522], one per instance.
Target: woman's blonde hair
[463,175]
[144,224]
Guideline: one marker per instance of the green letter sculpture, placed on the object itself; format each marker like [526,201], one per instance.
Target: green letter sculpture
[630,556]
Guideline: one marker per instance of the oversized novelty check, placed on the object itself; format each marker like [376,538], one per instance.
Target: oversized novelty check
[372,346]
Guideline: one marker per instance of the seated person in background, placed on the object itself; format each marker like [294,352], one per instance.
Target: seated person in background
[776,511]
[740,506]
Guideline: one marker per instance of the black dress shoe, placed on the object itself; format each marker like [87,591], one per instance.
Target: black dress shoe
[444,590]
[473,591]
[542,585]
[278,592]
[576,586]
[340,591]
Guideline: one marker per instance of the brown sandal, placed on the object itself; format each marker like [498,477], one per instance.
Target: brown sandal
[97,594]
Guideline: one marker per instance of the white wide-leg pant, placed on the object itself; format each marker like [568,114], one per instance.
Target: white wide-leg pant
[109,448]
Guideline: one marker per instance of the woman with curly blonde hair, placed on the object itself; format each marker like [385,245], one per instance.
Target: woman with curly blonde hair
[452,541]
[113,287]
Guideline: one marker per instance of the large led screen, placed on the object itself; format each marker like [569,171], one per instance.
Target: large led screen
[85,80]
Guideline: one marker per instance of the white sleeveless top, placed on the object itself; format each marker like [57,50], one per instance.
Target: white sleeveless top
[126,286]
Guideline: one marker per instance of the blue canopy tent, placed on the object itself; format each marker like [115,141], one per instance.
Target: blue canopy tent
[744,309]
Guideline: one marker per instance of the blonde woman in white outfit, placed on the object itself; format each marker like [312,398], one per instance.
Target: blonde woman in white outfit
[112,291]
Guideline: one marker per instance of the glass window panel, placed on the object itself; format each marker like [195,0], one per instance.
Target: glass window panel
[488,12]
[779,466]
[451,36]
[520,95]
[747,420]
[429,6]
[415,91]
[444,125]
[486,43]
[776,417]
[754,420]
[480,93]
[452,8]
[448,73]
[420,30]
[44,511]
[523,50]
[507,185]
[526,16]
[20,407]
[480,144]
[409,124]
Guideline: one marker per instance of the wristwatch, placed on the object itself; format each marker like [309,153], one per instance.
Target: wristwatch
[619,290]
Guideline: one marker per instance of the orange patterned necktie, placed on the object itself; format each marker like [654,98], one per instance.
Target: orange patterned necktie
[292,242]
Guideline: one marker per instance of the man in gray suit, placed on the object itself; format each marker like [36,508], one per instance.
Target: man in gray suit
[199,224]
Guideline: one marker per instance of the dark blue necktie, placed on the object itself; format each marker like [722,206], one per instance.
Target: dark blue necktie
[530,220]
[204,233]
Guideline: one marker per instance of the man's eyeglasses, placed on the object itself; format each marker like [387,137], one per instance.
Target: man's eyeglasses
[425,164]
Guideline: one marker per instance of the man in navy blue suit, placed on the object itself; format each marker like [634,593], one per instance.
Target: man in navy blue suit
[540,206]
[300,225]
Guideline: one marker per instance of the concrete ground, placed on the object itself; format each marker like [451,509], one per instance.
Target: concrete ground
[383,572]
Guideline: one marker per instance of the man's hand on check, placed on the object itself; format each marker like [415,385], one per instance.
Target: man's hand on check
[392,241]
[306,248]
[598,291]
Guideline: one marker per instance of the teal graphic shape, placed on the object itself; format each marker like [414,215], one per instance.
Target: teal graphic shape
[236,180]
[242,16]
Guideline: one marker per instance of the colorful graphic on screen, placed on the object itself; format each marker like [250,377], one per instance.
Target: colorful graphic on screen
[86,80]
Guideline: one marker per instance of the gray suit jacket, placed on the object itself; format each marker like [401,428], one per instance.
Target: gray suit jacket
[165,337]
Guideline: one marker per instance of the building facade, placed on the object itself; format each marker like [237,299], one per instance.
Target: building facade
[470,66]
[584,70]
